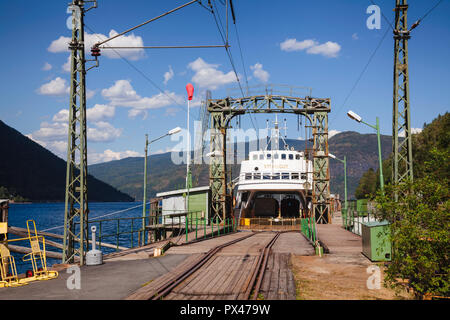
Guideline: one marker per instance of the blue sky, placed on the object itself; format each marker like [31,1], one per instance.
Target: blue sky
[331,37]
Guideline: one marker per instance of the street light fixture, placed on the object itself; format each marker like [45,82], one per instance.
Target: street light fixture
[144,201]
[358,118]
[345,175]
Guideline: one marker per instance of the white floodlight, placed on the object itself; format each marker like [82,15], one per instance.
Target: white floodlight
[354,116]
[174,130]
[331,155]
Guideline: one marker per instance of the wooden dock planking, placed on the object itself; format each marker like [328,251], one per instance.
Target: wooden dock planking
[149,290]
[274,283]
[265,286]
[282,284]
[227,275]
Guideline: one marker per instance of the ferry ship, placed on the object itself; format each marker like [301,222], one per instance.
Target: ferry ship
[275,184]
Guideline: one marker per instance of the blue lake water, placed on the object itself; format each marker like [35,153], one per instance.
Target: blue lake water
[51,215]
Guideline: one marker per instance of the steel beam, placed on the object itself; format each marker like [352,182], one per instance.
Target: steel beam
[75,242]
[402,167]
[223,110]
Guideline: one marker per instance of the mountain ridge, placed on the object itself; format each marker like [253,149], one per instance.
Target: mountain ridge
[127,174]
[30,172]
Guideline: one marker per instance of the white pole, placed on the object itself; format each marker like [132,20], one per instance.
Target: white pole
[188,158]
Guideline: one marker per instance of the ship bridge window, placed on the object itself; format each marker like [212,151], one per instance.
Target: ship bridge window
[297,156]
[275,156]
[291,156]
[248,176]
[283,156]
[303,176]
[257,176]
[261,156]
[266,176]
[285,176]
[269,156]
[255,157]
[295,175]
[276,176]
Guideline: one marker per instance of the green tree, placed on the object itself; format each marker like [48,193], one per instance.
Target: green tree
[420,225]
[367,185]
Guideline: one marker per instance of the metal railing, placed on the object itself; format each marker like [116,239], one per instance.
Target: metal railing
[357,213]
[270,223]
[127,232]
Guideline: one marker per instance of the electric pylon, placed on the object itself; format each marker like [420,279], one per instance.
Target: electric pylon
[402,167]
[75,243]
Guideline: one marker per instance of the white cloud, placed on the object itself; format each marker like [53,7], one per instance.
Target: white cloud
[56,131]
[47,66]
[61,116]
[133,113]
[103,132]
[294,45]
[122,94]
[355,36]
[90,93]
[66,65]
[61,45]
[413,131]
[56,87]
[160,151]
[57,147]
[328,49]
[168,75]
[259,72]
[109,155]
[100,112]
[333,133]
[208,76]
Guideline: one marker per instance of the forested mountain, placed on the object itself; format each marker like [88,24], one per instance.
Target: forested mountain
[432,143]
[28,171]
[127,174]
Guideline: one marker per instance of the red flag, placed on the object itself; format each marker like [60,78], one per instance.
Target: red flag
[190,91]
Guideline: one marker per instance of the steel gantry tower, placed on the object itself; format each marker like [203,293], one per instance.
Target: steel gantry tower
[402,167]
[75,243]
[223,110]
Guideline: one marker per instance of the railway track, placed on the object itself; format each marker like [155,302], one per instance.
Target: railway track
[233,270]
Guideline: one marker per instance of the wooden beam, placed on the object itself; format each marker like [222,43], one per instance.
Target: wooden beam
[25,250]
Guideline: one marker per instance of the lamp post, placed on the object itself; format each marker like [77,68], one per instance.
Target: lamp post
[190,92]
[144,201]
[357,118]
[345,175]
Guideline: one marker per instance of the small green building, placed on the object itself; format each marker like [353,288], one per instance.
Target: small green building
[174,202]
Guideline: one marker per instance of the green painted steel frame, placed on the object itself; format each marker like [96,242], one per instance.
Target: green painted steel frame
[223,110]
[402,168]
[75,242]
